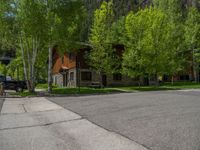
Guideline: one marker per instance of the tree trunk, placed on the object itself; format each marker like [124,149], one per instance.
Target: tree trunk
[50,71]
[197,72]
[139,84]
[101,79]
[24,64]
[157,80]
[30,74]
[194,65]
[172,80]
[33,60]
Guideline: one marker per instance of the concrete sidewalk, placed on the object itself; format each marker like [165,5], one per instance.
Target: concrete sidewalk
[1,103]
[38,124]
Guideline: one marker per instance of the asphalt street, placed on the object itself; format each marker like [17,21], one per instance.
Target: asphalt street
[165,120]
[38,124]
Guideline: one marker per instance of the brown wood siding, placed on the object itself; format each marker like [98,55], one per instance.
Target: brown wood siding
[79,57]
[69,63]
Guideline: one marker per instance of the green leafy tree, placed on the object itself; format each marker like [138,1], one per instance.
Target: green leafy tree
[7,27]
[147,33]
[3,69]
[15,68]
[102,57]
[41,25]
[30,21]
[117,31]
[176,47]
[63,20]
[192,37]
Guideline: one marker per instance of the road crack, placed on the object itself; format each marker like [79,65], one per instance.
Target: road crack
[42,125]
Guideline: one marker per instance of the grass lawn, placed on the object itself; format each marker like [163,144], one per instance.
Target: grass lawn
[44,86]
[164,86]
[83,90]
[24,94]
[182,85]
[145,88]
[71,91]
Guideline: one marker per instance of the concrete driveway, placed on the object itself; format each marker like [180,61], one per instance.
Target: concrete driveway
[165,120]
[1,103]
[38,124]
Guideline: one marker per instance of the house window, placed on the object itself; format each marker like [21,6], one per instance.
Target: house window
[72,76]
[86,76]
[185,77]
[71,56]
[117,77]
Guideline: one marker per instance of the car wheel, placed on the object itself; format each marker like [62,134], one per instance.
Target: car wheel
[19,89]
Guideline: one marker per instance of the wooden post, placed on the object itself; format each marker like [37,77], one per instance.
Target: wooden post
[1,89]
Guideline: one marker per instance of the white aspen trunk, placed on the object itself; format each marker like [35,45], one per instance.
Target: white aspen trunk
[24,63]
[33,63]
[29,65]
[50,71]
[34,55]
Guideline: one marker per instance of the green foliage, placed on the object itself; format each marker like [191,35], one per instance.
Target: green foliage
[103,19]
[3,69]
[147,35]
[192,37]
[25,94]
[103,56]
[32,26]
[72,91]
[64,20]
[31,17]
[192,29]
[7,26]
[44,86]
[163,86]
[176,43]
[158,39]
[116,34]
[15,69]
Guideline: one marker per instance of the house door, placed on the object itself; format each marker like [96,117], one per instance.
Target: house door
[104,80]
[65,79]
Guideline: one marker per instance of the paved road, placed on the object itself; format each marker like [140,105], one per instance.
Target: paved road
[166,120]
[38,124]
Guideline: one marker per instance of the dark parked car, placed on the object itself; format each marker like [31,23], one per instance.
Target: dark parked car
[18,86]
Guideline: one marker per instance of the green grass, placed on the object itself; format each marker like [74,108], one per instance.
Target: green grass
[182,85]
[164,86]
[44,86]
[24,94]
[83,91]
[146,88]
[71,91]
